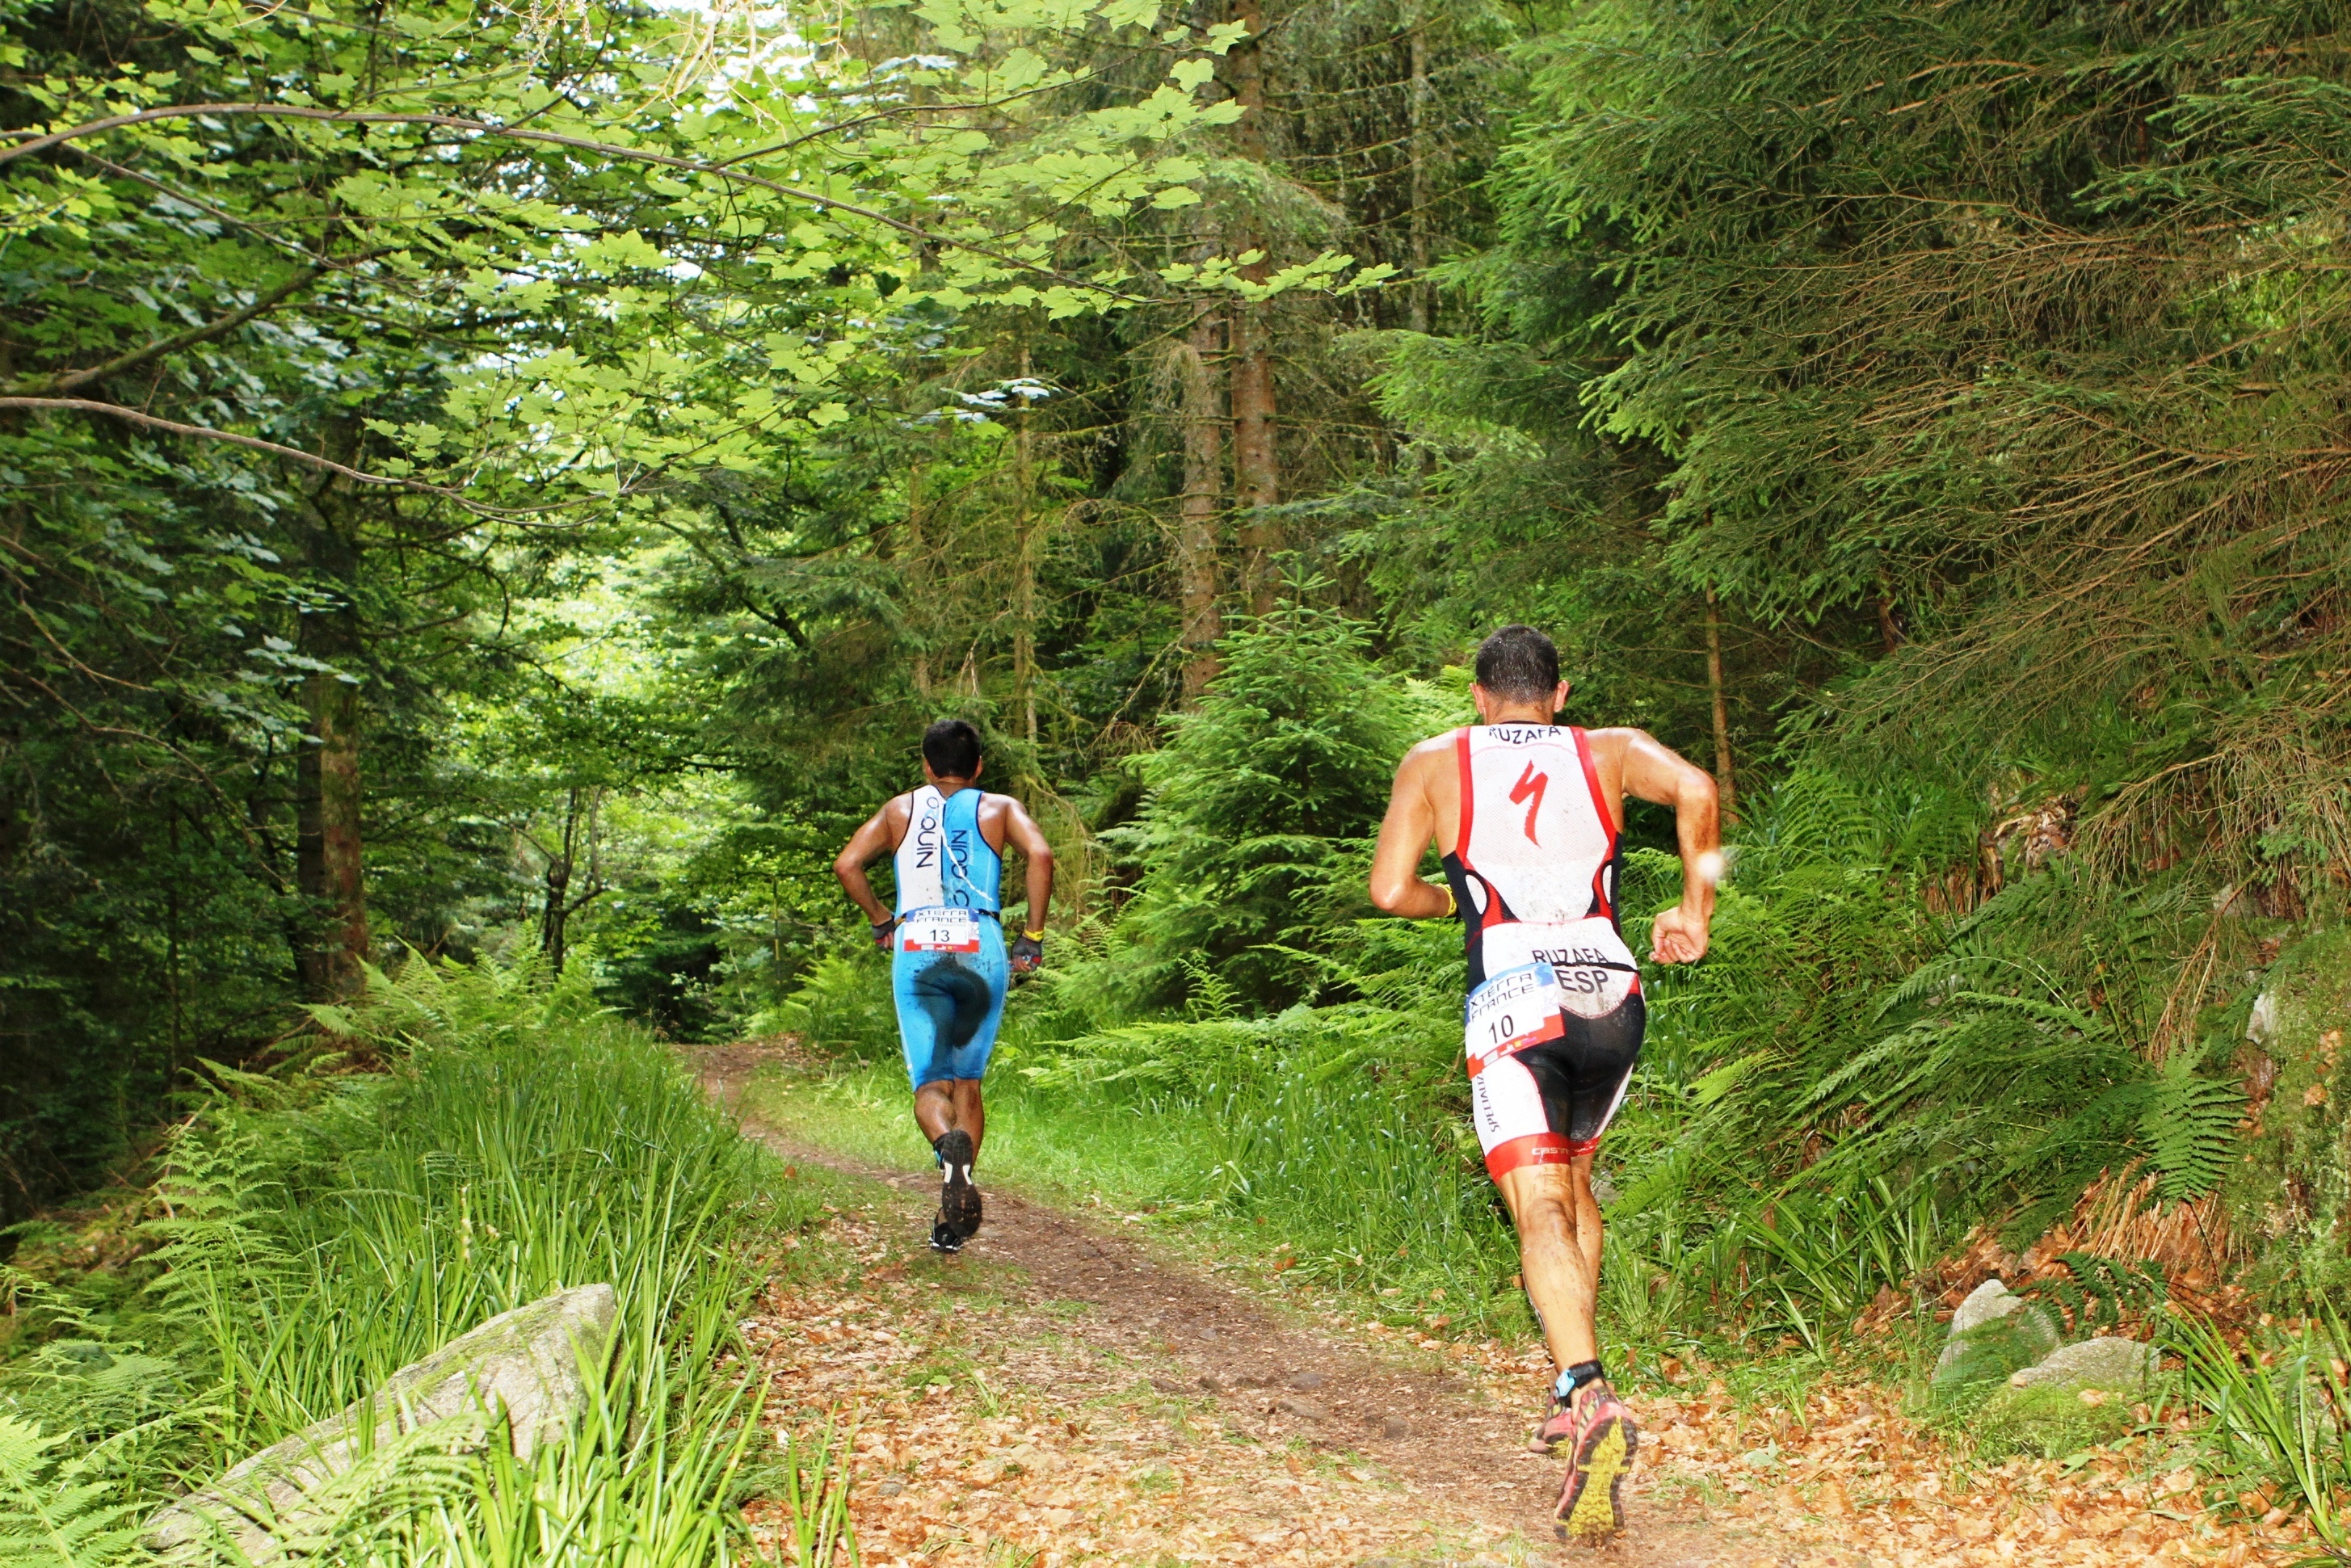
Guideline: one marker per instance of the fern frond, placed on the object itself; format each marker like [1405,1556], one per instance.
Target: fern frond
[53,1512]
[2190,1129]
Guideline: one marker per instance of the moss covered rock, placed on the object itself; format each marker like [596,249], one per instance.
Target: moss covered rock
[520,1378]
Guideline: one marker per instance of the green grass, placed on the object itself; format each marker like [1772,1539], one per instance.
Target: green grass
[2279,1414]
[2046,1422]
[318,1229]
[1284,1173]
[1856,1086]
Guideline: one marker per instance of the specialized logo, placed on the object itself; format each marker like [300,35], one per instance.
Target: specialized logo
[1530,783]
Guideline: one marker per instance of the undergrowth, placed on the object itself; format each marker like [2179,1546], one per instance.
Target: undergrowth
[313,1230]
[1845,1090]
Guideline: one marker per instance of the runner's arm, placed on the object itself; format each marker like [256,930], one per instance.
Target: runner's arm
[1656,773]
[1405,832]
[877,838]
[1021,832]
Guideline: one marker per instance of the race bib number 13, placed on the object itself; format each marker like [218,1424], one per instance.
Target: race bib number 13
[940,930]
[1515,1009]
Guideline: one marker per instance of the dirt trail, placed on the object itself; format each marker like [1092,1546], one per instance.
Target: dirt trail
[1057,1395]
[1439,1461]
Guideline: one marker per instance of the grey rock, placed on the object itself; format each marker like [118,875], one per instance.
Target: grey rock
[1304,1409]
[2093,1363]
[2001,1334]
[1308,1380]
[1987,1300]
[891,1486]
[522,1368]
[1603,1191]
[2261,1025]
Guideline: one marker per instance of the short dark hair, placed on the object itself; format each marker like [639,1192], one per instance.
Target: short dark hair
[952,749]
[1518,664]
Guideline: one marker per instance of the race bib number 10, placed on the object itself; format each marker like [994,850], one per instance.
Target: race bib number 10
[1515,1009]
[940,930]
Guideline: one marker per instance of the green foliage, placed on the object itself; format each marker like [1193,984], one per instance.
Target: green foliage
[319,1229]
[2190,1129]
[2291,1188]
[2278,1414]
[1260,799]
[843,1007]
[2095,1293]
[343,405]
[2046,1422]
[58,1508]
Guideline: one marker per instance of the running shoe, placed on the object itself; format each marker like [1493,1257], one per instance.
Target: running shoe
[1592,1504]
[944,1238]
[958,1199]
[1557,1427]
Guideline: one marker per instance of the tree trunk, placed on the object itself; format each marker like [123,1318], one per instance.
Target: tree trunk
[1417,302]
[1024,590]
[918,568]
[1256,462]
[1256,472]
[1725,786]
[328,845]
[1195,521]
[328,862]
[556,913]
[579,826]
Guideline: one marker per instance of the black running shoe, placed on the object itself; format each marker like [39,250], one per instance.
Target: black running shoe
[958,1199]
[944,1238]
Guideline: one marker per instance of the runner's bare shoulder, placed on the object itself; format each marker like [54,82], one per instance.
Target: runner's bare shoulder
[1435,746]
[995,817]
[1612,745]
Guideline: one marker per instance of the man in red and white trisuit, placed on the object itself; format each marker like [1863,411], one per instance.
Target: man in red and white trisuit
[1527,814]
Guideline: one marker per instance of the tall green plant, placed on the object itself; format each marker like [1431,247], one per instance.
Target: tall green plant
[320,1231]
[1261,799]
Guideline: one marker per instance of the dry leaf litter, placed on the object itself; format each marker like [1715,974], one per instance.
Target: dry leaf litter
[982,1436]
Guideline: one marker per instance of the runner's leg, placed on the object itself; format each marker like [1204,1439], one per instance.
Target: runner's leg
[951,1102]
[928,991]
[1580,1080]
[1558,1249]
[975,983]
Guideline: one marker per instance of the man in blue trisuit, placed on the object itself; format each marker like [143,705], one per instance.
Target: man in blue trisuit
[949,963]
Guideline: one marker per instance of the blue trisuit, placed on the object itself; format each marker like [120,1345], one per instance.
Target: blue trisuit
[947,966]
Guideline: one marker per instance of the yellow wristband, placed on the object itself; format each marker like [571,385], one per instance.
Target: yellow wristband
[1451,908]
[1034,936]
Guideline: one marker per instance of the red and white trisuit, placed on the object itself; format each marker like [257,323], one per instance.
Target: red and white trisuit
[1554,1018]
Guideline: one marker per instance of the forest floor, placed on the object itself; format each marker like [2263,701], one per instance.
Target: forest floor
[1063,1393]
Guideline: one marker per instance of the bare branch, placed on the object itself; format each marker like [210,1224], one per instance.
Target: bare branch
[70,380]
[206,433]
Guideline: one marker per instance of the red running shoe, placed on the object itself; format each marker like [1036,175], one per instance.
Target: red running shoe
[1557,1427]
[1591,1503]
